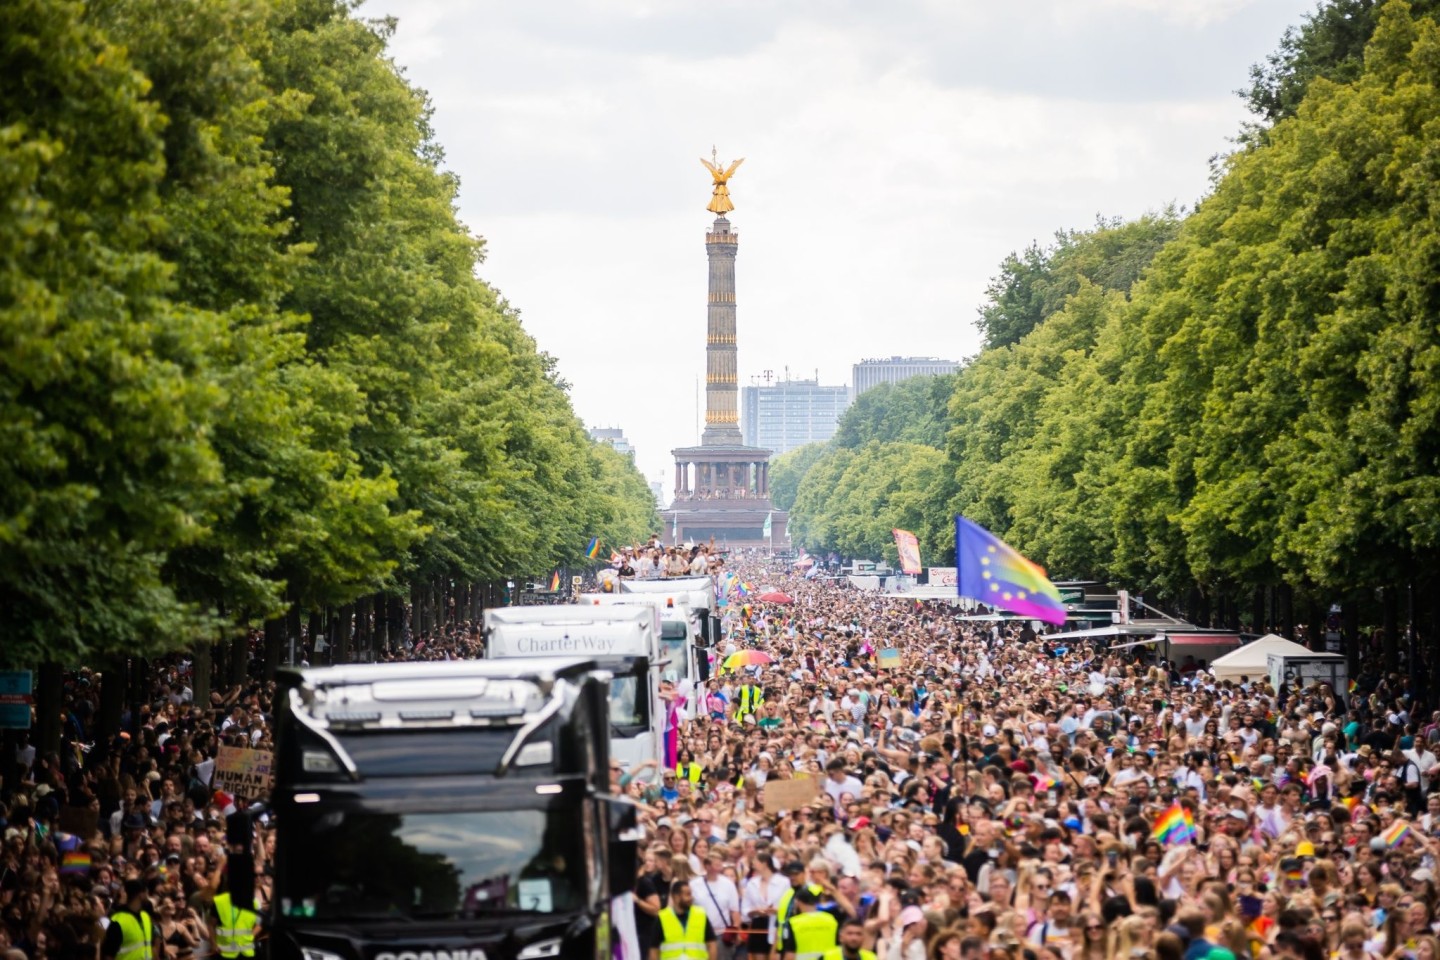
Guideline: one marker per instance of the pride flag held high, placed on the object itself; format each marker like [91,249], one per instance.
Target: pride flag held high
[593,549]
[1174,826]
[991,571]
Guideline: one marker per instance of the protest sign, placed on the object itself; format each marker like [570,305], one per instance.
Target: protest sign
[244,773]
[789,794]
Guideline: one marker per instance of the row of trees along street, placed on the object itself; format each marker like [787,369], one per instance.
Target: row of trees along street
[249,377]
[1235,410]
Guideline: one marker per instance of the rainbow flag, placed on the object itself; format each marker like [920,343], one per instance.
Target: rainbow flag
[75,863]
[555,581]
[1350,803]
[592,550]
[742,588]
[1044,783]
[994,573]
[1174,826]
[1398,831]
[1295,873]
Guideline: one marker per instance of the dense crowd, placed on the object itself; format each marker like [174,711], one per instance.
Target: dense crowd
[1000,794]
[995,794]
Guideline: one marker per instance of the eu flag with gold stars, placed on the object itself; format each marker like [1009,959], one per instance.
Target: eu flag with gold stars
[991,571]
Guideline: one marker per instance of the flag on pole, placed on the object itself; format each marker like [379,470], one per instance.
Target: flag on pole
[991,571]
[1174,826]
[555,581]
[593,549]
[907,547]
[766,530]
[675,527]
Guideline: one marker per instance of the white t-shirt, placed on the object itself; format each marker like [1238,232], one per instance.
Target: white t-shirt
[849,785]
[720,901]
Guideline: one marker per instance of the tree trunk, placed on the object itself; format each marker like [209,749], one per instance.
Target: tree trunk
[200,681]
[239,659]
[344,632]
[1257,611]
[293,645]
[49,704]
[1285,612]
[1350,643]
[112,704]
[314,633]
[1390,620]
[274,645]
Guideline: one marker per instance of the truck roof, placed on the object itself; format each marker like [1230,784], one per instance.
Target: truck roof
[515,668]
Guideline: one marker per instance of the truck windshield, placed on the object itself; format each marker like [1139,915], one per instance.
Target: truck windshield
[628,711]
[357,865]
[674,635]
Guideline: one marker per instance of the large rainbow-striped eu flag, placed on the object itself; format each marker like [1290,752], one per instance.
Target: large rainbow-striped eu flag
[991,571]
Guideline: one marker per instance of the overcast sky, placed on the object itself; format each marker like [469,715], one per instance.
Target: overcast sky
[895,153]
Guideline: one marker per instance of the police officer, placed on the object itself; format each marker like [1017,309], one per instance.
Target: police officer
[132,934]
[685,931]
[812,930]
[852,939]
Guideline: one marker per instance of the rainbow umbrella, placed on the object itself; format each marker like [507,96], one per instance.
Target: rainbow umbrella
[746,658]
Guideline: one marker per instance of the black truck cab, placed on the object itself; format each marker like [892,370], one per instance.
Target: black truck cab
[446,811]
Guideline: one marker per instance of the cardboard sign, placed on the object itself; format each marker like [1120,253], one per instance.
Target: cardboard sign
[244,773]
[888,658]
[790,794]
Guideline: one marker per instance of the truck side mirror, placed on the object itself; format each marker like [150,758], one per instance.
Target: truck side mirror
[625,849]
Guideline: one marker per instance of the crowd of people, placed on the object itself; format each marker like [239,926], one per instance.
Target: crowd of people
[1000,793]
[991,793]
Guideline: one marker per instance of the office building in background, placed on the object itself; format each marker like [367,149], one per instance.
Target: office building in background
[872,373]
[790,413]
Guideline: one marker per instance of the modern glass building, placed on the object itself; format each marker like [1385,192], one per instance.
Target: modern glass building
[791,413]
[871,373]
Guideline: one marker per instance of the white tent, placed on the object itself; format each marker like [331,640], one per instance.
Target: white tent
[1251,660]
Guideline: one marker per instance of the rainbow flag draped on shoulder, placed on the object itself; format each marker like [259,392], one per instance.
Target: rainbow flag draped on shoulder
[991,571]
[1174,826]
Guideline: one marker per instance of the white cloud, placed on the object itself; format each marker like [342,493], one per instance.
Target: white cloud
[895,153]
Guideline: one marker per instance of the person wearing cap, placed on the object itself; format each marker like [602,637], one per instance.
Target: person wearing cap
[786,907]
[685,930]
[132,934]
[810,932]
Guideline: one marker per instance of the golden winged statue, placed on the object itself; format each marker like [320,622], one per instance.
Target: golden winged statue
[720,200]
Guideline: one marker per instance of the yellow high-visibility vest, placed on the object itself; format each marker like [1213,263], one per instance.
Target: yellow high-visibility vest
[814,933]
[235,935]
[685,942]
[137,936]
[693,775]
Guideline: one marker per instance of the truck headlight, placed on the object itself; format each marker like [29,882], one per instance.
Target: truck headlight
[310,953]
[537,950]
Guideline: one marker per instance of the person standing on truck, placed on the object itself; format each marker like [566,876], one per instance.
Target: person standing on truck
[685,931]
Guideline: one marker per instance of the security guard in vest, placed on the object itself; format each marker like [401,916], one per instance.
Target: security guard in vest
[794,872]
[235,926]
[812,930]
[132,934]
[852,940]
[748,700]
[685,931]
